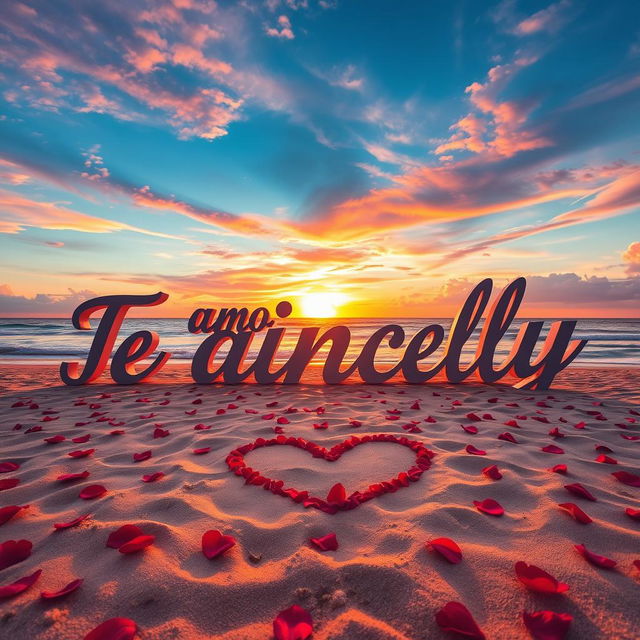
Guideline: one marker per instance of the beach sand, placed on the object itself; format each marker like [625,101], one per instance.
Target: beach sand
[381,583]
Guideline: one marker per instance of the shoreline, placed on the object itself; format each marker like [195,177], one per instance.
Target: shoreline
[619,382]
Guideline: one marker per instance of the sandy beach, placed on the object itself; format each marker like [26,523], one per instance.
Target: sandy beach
[382,582]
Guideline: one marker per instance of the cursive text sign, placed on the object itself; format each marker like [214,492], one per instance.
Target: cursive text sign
[535,368]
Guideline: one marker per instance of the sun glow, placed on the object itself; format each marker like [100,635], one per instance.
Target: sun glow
[321,305]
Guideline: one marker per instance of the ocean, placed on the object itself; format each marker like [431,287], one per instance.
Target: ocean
[611,342]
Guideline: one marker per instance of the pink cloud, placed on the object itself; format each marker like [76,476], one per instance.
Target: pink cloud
[549,19]
[282,30]
[631,257]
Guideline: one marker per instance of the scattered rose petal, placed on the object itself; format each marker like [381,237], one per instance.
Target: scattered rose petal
[632,513]
[137,544]
[603,448]
[552,448]
[594,558]
[559,468]
[630,479]
[473,451]
[606,459]
[124,534]
[81,439]
[470,429]
[325,543]
[114,629]
[447,548]
[92,491]
[8,467]
[576,512]
[70,588]
[508,437]
[14,551]
[141,457]
[9,483]
[71,523]
[68,477]
[54,439]
[17,587]
[537,579]
[6,513]
[294,623]
[547,625]
[489,506]
[201,451]
[492,472]
[152,477]
[215,543]
[456,618]
[81,454]
[578,490]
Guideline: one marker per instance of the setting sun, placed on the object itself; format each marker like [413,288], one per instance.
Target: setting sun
[321,305]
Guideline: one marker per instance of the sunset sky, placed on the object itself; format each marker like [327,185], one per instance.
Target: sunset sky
[388,153]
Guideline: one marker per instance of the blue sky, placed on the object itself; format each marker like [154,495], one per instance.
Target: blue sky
[388,153]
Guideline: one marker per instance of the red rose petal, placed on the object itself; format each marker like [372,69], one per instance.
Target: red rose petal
[559,468]
[137,544]
[630,479]
[492,472]
[8,467]
[633,513]
[537,579]
[594,558]
[124,534]
[81,439]
[447,548]
[68,477]
[92,491]
[14,551]
[17,587]
[114,629]
[602,448]
[577,489]
[337,494]
[475,452]
[551,448]
[576,512]
[508,437]
[294,623]
[456,618]
[6,513]
[70,588]
[9,483]
[604,459]
[547,625]
[470,429]
[325,543]
[71,523]
[214,543]
[489,506]
[81,454]
[201,451]
[141,457]
[54,439]
[152,477]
